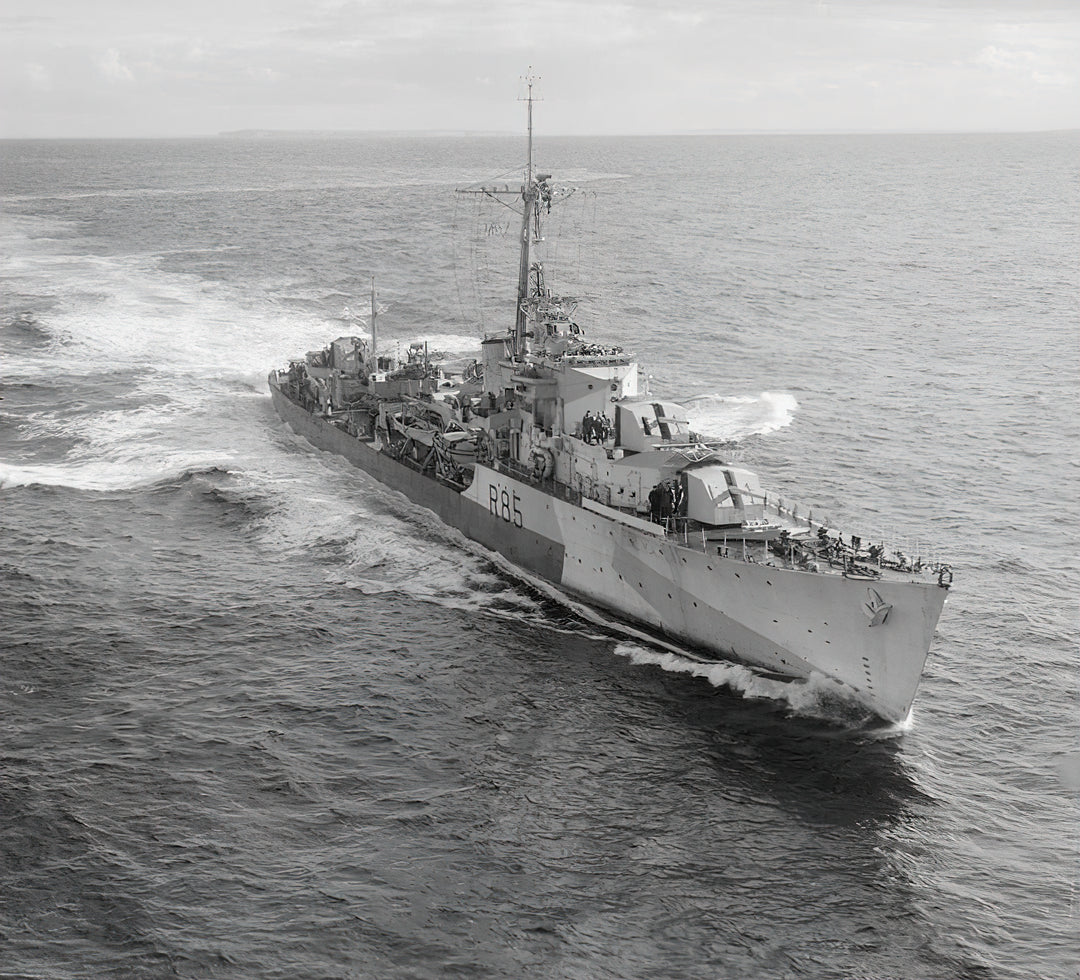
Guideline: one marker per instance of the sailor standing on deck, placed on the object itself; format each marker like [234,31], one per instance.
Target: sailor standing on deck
[671,500]
[655,497]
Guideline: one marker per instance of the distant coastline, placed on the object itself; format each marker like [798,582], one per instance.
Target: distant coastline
[470,133]
[354,133]
[367,134]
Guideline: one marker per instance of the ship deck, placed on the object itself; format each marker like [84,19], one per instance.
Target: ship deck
[805,554]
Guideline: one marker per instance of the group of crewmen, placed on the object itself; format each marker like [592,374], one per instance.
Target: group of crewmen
[665,500]
[596,428]
[837,548]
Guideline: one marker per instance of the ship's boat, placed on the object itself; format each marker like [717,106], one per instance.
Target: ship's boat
[545,450]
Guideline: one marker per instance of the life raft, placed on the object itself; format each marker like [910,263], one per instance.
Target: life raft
[543,464]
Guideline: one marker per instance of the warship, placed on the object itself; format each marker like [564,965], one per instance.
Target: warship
[547,450]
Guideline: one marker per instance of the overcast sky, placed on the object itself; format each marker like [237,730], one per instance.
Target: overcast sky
[196,67]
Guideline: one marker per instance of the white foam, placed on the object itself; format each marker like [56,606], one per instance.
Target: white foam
[734,417]
[817,697]
[177,429]
[107,475]
[125,313]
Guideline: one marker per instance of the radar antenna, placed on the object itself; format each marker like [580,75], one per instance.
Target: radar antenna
[529,194]
[529,79]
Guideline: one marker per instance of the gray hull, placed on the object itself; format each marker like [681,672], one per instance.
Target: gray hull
[531,551]
[794,623]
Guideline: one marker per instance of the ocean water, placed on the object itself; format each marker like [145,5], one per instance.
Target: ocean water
[262,717]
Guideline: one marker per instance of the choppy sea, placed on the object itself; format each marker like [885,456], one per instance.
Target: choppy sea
[262,717]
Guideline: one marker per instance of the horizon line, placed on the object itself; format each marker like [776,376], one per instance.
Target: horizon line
[263,133]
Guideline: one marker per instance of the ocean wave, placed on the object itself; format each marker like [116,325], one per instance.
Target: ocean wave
[102,475]
[26,328]
[290,190]
[393,565]
[14,573]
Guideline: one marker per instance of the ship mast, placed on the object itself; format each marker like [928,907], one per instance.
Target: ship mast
[374,331]
[532,190]
[529,194]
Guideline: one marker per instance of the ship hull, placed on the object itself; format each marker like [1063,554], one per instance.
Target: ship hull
[529,550]
[792,623]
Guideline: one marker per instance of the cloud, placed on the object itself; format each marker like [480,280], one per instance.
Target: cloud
[612,66]
[113,68]
[39,77]
[1029,64]
[1057,79]
[264,74]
